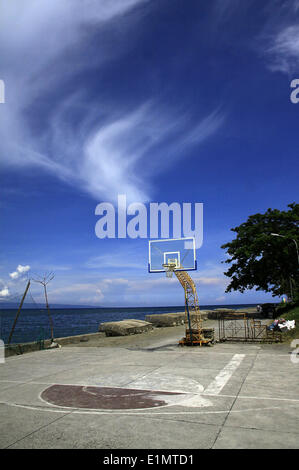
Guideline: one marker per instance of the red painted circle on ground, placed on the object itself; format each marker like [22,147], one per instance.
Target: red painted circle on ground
[78,396]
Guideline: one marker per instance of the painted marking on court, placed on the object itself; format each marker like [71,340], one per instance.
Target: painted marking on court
[224,375]
[87,411]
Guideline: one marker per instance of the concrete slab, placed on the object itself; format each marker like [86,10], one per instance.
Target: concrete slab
[166,319]
[125,327]
[238,438]
[273,381]
[17,423]
[125,432]
[171,319]
[232,396]
[101,375]
[24,394]
[275,415]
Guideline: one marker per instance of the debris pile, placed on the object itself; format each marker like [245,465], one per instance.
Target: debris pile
[281,325]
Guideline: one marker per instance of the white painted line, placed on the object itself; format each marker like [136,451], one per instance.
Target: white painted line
[145,413]
[267,398]
[90,411]
[224,375]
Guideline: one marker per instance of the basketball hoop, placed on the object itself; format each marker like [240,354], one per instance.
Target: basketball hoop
[169,268]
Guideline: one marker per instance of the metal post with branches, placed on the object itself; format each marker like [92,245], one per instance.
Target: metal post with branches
[18,312]
[44,281]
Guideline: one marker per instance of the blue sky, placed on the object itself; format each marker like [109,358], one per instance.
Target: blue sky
[164,101]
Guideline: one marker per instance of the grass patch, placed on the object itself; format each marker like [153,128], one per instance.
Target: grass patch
[289,313]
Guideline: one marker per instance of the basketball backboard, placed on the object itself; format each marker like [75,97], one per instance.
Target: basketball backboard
[176,251]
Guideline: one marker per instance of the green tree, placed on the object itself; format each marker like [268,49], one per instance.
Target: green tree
[261,260]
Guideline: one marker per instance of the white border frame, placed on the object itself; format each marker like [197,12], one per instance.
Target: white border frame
[172,253]
[194,268]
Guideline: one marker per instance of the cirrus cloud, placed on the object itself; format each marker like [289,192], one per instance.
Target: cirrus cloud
[53,123]
[284,51]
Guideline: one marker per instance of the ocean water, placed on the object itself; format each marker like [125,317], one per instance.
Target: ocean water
[33,324]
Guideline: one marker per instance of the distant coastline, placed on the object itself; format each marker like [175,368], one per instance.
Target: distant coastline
[33,324]
[14,305]
[37,305]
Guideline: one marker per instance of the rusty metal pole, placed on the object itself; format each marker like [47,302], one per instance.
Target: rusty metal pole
[50,318]
[45,280]
[18,312]
[189,322]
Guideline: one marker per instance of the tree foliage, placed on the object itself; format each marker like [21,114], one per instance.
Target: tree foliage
[261,260]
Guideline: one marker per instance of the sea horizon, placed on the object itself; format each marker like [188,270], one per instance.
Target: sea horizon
[33,324]
[90,307]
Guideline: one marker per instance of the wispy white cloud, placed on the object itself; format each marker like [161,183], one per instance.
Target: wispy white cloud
[120,156]
[107,150]
[84,293]
[112,261]
[144,290]
[278,41]
[41,45]
[283,52]
[214,281]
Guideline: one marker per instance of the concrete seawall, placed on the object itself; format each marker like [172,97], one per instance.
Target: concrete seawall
[17,349]
[171,319]
[152,322]
[125,327]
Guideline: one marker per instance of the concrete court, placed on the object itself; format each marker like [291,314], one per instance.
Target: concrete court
[228,396]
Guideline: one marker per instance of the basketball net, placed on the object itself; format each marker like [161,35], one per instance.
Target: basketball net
[169,268]
[169,272]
